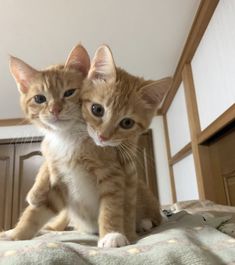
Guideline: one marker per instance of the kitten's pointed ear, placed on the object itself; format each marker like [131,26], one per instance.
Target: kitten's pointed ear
[79,60]
[22,73]
[103,66]
[154,92]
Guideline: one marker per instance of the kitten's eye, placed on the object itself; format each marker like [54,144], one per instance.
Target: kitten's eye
[97,110]
[69,92]
[40,99]
[127,123]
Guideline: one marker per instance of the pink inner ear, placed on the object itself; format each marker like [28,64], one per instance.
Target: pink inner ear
[78,66]
[23,87]
[151,99]
[79,60]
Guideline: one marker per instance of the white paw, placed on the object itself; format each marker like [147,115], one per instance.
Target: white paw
[145,225]
[6,235]
[113,240]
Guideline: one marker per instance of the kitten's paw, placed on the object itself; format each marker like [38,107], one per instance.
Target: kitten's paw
[145,225]
[113,240]
[6,235]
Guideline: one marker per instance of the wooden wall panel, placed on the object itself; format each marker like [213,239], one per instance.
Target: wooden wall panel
[213,65]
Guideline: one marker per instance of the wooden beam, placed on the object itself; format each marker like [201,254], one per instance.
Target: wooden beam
[201,153]
[186,150]
[13,122]
[173,190]
[225,119]
[201,21]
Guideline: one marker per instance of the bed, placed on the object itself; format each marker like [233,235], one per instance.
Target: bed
[192,235]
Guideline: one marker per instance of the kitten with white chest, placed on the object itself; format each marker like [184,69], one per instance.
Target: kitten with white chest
[98,184]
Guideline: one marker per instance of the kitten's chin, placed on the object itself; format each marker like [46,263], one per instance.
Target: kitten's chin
[58,125]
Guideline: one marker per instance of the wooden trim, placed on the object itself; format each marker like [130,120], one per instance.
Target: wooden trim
[200,153]
[225,119]
[173,190]
[194,124]
[13,122]
[186,150]
[201,21]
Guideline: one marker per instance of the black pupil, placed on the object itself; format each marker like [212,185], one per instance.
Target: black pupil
[97,110]
[127,123]
[69,92]
[39,99]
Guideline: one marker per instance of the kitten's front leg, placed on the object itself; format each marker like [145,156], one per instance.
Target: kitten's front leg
[111,215]
[34,217]
[39,192]
[131,183]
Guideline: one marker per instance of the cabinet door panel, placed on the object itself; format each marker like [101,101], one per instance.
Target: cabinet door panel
[6,182]
[145,161]
[28,159]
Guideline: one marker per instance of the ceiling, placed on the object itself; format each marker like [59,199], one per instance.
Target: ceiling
[146,36]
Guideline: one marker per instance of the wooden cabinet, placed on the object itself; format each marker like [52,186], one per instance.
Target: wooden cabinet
[6,184]
[19,164]
[222,165]
[28,159]
[145,161]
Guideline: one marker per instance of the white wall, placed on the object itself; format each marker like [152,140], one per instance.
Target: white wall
[179,135]
[213,65]
[147,37]
[163,175]
[177,121]
[20,131]
[185,179]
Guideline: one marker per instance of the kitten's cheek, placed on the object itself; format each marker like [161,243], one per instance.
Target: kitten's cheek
[92,133]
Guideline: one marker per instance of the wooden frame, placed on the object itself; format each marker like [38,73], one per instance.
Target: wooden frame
[13,122]
[198,145]
[195,129]
[201,21]
[185,151]
[201,152]
[226,118]
[172,180]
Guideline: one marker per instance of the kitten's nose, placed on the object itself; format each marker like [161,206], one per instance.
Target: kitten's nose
[55,110]
[102,138]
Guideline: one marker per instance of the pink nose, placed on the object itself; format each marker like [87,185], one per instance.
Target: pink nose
[55,110]
[102,138]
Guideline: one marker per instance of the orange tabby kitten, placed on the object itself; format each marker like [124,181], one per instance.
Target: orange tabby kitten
[118,108]
[79,172]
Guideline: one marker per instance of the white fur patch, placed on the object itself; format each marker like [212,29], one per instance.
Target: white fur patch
[84,199]
[6,235]
[113,240]
[83,193]
[146,225]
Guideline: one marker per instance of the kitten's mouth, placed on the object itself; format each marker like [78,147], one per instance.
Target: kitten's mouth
[94,136]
